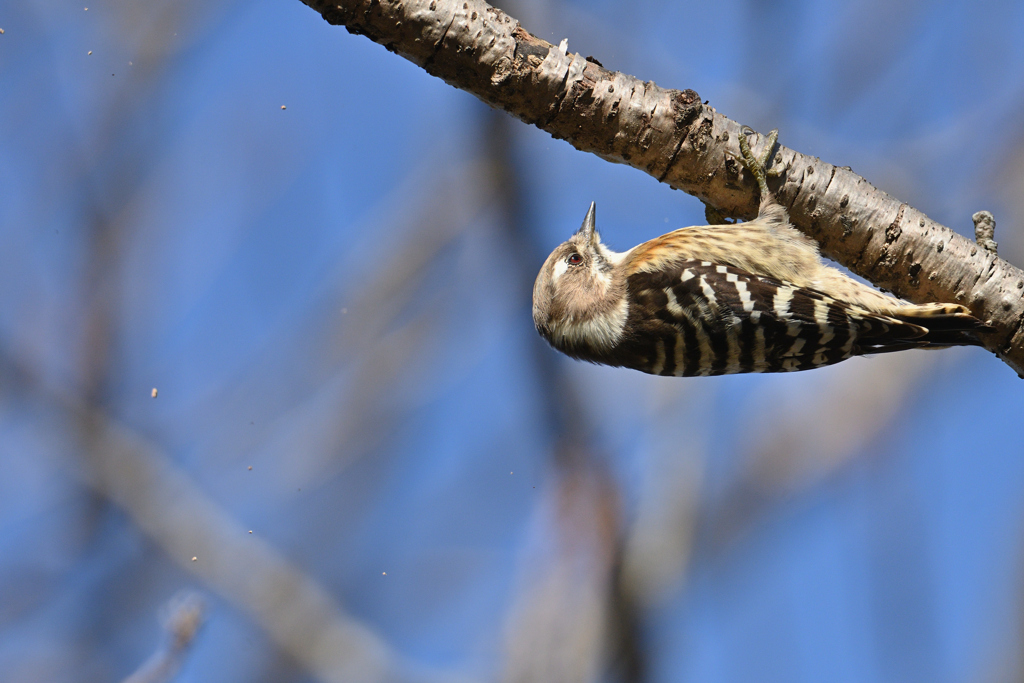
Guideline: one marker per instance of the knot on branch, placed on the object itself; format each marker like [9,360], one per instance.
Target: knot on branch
[985,230]
[686,105]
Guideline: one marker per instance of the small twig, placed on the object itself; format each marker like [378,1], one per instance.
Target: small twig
[985,230]
[182,617]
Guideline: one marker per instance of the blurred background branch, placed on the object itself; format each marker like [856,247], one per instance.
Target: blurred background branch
[202,538]
[569,614]
[380,469]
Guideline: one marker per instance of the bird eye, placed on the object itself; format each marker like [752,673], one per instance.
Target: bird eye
[574,259]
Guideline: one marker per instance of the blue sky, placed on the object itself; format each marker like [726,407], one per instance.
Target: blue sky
[331,294]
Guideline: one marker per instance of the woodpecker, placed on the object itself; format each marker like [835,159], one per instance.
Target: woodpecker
[715,300]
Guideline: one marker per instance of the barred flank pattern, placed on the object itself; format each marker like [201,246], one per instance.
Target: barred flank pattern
[708,319]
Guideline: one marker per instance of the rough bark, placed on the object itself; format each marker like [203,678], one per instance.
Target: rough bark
[671,135]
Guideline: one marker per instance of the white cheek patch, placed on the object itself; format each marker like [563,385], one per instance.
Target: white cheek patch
[559,270]
[602,332]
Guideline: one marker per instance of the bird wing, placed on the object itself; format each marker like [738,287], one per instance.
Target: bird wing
[709,319]
[768,246]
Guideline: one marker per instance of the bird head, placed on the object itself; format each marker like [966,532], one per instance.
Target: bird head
[579,297]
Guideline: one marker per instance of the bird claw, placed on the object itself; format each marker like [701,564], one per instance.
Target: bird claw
[758,165]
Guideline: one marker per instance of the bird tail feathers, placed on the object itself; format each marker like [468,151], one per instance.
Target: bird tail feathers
[934,325]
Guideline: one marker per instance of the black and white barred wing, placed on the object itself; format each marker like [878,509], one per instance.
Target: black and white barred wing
[709,319]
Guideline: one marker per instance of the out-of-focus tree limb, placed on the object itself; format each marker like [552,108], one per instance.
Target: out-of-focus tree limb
[671,135]
[299,615]
[560,624]
[353,344]
[570,621]
[661,537]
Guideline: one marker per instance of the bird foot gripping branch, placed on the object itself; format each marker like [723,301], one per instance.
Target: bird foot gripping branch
[758,165]
[714,300]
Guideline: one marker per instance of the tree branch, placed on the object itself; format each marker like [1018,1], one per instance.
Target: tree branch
[672,136]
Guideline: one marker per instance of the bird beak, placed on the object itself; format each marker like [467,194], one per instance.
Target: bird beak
[588,230]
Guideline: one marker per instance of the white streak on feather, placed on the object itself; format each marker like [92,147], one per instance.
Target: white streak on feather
[709,292]
[748,303]
[821,315]
[821,312]
[782,298]
[673,304]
